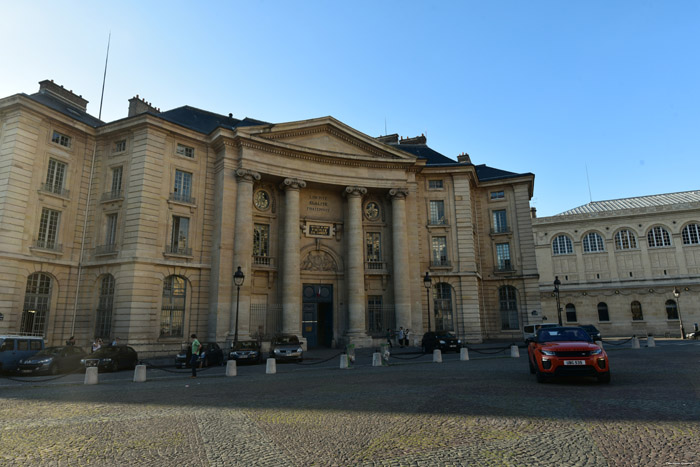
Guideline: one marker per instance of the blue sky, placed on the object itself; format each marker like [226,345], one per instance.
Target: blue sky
[549,87]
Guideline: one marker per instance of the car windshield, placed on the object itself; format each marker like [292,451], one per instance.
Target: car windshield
[562,335]
[248,345]
[447,335]
[105,351]
[49,351]
[287,340]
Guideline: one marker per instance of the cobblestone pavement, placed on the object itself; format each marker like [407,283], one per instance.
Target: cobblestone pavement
[487,411]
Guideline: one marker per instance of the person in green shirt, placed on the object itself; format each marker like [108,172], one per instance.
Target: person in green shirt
[196,347]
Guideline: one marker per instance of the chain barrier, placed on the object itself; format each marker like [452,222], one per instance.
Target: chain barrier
[167,369]
[321,361]
[420,354]
[619,343]
[488,351]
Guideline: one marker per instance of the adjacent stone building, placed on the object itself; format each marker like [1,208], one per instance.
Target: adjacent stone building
[135,228]
[619,262]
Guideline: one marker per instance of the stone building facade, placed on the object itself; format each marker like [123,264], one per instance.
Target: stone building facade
[134,229]
[619,262]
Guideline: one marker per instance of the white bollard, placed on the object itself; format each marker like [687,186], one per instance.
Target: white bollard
[344,362]
[140,374]
[91,375]
[271,366]
[376,359]
[635,342]
[231,368]
[464,354]
[599,344]
[514,352]
[437,356]
[650,341]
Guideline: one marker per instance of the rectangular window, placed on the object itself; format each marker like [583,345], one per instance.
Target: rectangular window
[439,251]
[437,212]
[435,184]
[182,191]
[497,195]
[374,313]
[48,229]
[373,246]
[55,176]
[186,151]
[60,138]
[503,256]
[119,146]
[500,224]
[117,180]
[111,231]
[181,226]
[261,240]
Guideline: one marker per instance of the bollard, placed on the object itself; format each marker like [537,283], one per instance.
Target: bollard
[271,366]
[344,362]
[635,342]
[651,342]
[140,374]
[437,356]
[231,368]
[464,354]
[376,359]
[91,375]
[514,352]
[599,344]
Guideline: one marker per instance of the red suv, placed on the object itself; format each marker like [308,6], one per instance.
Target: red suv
[567,351]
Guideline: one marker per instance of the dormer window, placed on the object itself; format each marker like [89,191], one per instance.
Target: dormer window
[497,195]
[435,184]
[119,146]
[60,138]
[186,151]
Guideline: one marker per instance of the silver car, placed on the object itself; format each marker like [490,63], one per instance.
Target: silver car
[286,348]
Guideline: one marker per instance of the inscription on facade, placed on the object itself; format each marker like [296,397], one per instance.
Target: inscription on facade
[318,203]
[314,229]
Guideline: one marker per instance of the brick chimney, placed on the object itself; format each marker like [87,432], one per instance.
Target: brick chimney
[388,139]
[464,158]
[533,213]
[49,87]
[138,105]
[415,140]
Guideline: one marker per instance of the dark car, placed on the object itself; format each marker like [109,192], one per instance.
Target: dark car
[246,352]
[52,360]
[209,354]
[112,358]
[592,331]
[286,348]
[442,340]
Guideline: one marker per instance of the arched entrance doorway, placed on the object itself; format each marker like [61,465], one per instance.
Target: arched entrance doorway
[317,315]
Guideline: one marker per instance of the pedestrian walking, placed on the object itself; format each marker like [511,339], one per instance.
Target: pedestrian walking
[196,346]
[401,336]
[389,334]
[406,334]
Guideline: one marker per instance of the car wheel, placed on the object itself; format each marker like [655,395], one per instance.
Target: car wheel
[604,377]
[541,377]
[532,367]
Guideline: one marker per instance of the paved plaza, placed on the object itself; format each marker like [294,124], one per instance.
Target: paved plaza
[486,411]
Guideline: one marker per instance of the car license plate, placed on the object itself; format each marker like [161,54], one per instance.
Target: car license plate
[26,371]
[574,362]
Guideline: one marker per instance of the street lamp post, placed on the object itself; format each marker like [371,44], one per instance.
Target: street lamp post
[677,294]
[238,278]
[427,282]
[557,283]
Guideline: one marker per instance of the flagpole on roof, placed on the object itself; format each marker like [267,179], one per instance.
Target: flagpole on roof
[104,77]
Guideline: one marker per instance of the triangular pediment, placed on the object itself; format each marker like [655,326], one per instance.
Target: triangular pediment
[326,136]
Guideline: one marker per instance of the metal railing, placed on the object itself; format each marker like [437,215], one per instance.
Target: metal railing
[268,261]
[47,245]
[182,198]
[112,195]
[178,250]
[54,189]
[501,230]
[106,249]
[375,265]
[440,263]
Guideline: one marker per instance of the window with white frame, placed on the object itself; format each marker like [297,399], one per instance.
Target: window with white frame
[55,176]
[61,139]
[437,212]
[625,240]
[172,312]
[111,229]
[658,237]
[103,315]
[186,151]
[442,304]
[498,195]
[37,301]
[182,189]
[48,229]
[439,251]
[691,234]
[593,243]
[180,235]
[117,181]
[503,256]
[261,241]
[435,184]
[373,249]
[500,221]
[562,245]
[119,146]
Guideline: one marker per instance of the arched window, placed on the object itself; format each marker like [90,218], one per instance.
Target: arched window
[172,313]
[508,304]
[625,240]
[603,314]
[658,237]
[691,234]
[562,245]
[593,243]
[443,307]
[103,318]
[570,313]
[636,309]
[671,309]
[37,302]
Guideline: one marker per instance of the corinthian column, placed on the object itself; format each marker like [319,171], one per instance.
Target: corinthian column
[291,276]
[243,251]
[355,272]
[401,277]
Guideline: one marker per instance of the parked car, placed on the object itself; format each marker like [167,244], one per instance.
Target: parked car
[246,352]
[52,360]
[112,358]
[15,348]
[286,348]
[567,351]
[592,331]
[443,340]
[530,330]
[210,354]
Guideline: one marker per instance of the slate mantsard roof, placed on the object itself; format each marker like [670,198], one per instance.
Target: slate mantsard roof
[633,203]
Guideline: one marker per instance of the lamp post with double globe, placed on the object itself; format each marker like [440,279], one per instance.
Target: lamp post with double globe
[557,283]
[677,294]
[428,282]
[238,278]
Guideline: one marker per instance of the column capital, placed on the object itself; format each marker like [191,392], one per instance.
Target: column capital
[398,193]
[293,184]
[245,175]
[355,191]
